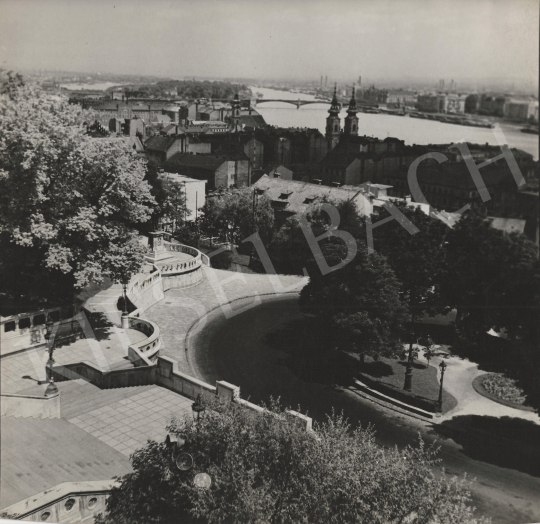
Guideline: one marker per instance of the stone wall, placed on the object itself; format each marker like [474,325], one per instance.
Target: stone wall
[66,502]
[26,330]
[24,406]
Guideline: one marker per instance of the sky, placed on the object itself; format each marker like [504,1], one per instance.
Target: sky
[302,39]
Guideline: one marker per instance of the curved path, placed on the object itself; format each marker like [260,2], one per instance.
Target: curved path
[502,453]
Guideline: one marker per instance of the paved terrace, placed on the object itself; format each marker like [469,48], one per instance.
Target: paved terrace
[99,429]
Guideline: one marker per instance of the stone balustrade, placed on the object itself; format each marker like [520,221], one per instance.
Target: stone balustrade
[145,352]
[26,330]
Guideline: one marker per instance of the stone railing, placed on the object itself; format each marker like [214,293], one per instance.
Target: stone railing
[26,406]
[146,351]
[176,268]
[145,290]
[76,501]
[163,373]
[66,502]
[26,330]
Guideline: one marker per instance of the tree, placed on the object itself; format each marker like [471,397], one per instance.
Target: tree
[66,199]
[289,250]
[238,214]
[170,197]
[417,260]
[493,280]
[358,304]
[263,468]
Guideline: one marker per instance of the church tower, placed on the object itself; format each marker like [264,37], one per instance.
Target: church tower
[351,120]
[333,123]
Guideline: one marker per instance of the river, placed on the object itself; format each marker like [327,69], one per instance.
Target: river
[411,130]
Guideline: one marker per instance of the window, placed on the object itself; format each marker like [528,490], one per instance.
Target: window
[39,320]
[335,127]
[9,326]
[24,323]
[54,316]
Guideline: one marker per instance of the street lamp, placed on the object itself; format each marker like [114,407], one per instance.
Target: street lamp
[198,407]
[442,367]
[408,371]
[125,314]
[51,388]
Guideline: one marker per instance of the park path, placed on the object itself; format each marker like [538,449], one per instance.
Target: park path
[458,379]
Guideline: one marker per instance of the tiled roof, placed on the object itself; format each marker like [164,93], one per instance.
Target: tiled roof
[159,143]
[295,197]
[252,121]
[207,162]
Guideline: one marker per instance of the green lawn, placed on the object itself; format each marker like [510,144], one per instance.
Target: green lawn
[391,372]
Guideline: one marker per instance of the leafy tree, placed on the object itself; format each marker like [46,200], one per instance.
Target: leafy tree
[489,276]
[493,280]
[263,468]
[289,250]
[235,215]
[69,200]
[359,304]
[170,197]
[417,260]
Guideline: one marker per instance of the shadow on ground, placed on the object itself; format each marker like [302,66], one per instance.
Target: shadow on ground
[505,442]
[101,325]
[376,369]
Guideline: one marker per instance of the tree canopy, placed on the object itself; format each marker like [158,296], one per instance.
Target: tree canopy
[265,468]
[238,214]
[66,200]
[186,89]
[358,304]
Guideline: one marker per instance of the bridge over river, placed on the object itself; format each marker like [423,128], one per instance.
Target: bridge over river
[299,103]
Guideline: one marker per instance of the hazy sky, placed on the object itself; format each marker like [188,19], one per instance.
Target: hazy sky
[275,38]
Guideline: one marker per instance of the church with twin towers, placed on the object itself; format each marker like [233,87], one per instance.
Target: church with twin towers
[333,122]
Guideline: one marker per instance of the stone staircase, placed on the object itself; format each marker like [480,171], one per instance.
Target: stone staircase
[38,454]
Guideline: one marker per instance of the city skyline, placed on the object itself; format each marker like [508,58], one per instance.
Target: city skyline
[419,40]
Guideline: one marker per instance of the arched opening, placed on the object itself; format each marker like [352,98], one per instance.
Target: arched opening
[354,127]
[335,127]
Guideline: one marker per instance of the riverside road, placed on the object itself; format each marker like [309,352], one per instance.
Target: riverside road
[501,453]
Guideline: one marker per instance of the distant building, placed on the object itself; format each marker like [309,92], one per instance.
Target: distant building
[194,191]
[450,186]
[291,197]
[491,105]
[162,148]
[217,170]
[521,110]
[454,104]
[430,103]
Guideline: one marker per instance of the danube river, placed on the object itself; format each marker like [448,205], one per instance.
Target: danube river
[411,130]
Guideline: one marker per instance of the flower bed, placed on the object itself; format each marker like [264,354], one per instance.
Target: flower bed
[503,387]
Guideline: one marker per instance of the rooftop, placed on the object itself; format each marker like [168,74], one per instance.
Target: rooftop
[295,196]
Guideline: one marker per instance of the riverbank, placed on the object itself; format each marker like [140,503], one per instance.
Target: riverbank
[411,130]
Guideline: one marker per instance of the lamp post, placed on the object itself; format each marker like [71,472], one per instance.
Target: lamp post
[408,371]
[198,407]
[442,367]
[51,387]
[125,317]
